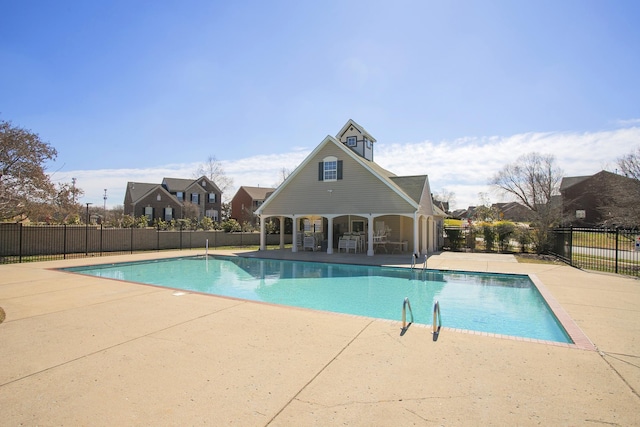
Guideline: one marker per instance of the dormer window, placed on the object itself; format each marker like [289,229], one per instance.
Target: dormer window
[367,142]
[351,141]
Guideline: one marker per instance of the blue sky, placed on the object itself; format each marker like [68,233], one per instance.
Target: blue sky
[140,90]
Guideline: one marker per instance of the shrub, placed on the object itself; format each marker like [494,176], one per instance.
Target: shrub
[231,225]
[454,236]
[504,230]
[206,223]
[523,235]
[489,234]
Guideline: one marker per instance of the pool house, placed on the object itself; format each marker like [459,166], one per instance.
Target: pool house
[341,200]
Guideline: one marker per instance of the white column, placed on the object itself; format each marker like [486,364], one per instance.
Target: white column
[281,232]
[263,236]
[370,235]
[330,235]
[416,234]
[294,237]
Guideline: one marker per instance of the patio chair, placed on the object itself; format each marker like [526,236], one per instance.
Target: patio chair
[352,243]
[309,242]
[343,244]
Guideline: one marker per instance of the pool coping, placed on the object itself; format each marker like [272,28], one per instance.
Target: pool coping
[576,334]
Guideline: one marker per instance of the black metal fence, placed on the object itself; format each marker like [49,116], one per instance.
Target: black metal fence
[22,243]
[610,250]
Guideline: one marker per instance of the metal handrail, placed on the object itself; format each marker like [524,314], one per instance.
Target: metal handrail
[414,257]
[406,304]
[437,319]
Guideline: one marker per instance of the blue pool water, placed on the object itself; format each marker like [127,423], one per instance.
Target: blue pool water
[495,303]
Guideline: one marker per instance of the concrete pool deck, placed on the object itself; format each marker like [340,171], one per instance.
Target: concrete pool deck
[79,350]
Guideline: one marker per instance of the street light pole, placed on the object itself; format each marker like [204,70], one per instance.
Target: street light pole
[105,205]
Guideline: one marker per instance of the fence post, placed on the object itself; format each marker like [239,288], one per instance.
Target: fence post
[571,246]
[131,247]
[158,237]
[101,233]
[20,244]
[64,241]
[617,238]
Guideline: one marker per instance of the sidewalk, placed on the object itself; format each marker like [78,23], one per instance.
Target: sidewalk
[79,350]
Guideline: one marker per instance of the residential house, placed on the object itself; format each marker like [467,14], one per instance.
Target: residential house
[512,211]
[339,189]
[602,199]
[246,201]
[175,198]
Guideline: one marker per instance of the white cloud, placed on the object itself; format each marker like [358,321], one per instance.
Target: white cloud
[462,166]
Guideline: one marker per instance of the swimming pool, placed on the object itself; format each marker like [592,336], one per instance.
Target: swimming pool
[486,302]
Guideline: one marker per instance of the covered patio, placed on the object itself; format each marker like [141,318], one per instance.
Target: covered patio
[360,233]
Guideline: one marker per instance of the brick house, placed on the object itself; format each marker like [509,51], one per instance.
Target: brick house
[605,198]
[175,198]
[246,201]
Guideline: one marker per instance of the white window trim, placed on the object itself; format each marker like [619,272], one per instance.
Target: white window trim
[350,139]
[326,161]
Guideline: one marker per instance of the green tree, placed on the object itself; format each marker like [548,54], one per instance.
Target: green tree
[24,185]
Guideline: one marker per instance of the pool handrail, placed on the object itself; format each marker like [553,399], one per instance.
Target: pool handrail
[414,256]
[437,320]
[406,304]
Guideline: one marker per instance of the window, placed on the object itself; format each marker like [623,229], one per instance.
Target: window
[351,141]
[195,198]
[180,196]
[330,169]
[148,212]
[212,197]
[212,213]
[313,226]
[168,214]
[158,197]
[367,142]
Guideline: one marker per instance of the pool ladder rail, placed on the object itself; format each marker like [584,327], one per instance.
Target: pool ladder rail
[414,258]
[437,319]
[405,326]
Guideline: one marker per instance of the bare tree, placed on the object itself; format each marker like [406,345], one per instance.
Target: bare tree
[213,170]
[534,180]
[630,164]
[445,198]
[283,174]
[24,185]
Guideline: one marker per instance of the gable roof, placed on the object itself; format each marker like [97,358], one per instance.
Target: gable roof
[137,190]
[413,186]
[176,184]
[257,193]
[398,185]
[356,126]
